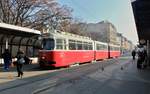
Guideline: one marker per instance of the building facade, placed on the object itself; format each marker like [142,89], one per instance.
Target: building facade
[103,31]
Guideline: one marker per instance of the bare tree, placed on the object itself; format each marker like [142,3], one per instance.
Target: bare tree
[36,14]
[75,26]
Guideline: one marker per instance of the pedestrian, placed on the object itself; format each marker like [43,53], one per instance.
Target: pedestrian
[20,62]
[142,56]
[133,54]
[7,59]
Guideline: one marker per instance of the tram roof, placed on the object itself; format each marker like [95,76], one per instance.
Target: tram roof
[60,34]
[8,29]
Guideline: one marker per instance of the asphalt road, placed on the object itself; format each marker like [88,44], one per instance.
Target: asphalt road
[117,76]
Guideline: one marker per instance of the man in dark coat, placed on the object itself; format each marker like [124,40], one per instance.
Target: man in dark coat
[133,54]
[20,55]
[7,59]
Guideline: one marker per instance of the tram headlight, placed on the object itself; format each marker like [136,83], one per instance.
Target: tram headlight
[43,57]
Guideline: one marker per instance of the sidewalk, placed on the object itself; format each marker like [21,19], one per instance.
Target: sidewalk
[29,71]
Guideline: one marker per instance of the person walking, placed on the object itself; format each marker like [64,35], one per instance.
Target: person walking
[142,57]
[20,62]
[7,59]
[133,54]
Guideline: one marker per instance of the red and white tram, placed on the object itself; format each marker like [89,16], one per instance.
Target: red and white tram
[114,51]
[101,50]
[64,49]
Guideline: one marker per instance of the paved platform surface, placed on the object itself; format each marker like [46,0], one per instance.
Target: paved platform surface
[118,76]
[29,71]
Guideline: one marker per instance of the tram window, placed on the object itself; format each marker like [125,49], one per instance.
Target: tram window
[59,44]
[97,47]
[116,48]
[112,48]
[85,45]
[59,41]
[105,47]
[72,45]
[90,46]
[100,47]
[59,47]
[48,44]
[72,41]
[79,45]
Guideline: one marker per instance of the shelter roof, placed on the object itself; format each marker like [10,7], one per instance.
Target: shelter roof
[8,29]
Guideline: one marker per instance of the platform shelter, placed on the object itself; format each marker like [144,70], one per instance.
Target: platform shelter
[14,38]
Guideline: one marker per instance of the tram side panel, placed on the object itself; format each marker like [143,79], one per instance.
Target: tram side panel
[65,58]
[74,56]
[84,56]
[114,51]
[100,54]
[101,50]
[46,58]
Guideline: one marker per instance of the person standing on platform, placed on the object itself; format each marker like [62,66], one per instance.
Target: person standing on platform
[7,59]
[20,62]
[142,57]
[133,54]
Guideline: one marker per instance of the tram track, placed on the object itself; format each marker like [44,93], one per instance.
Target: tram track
[72,79]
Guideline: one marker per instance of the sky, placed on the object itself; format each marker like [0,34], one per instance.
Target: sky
[118,12]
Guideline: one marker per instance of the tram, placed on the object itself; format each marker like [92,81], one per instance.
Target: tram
[62,49]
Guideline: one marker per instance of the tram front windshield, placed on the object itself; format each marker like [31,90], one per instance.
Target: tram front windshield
[48,44]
